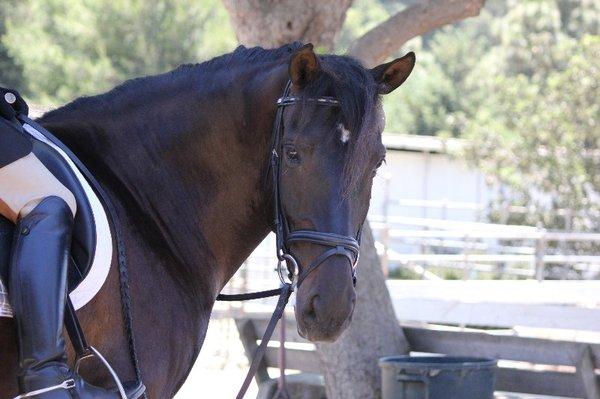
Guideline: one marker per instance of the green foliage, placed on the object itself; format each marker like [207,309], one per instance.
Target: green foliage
[67,49]
[579,17]
[543,141]
[424,103]
[363,16]
[11,75]
[402,273]
[533,125]
[456,64]
[452,275]
[521,83]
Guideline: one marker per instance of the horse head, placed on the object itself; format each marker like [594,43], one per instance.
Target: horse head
[329,149]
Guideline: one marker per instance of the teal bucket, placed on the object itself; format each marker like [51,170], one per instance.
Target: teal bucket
[437,377]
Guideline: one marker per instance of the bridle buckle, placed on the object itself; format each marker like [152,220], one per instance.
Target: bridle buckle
[283,268]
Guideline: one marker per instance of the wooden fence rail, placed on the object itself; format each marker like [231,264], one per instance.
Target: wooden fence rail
[565,305]
[526,365]
[542,379]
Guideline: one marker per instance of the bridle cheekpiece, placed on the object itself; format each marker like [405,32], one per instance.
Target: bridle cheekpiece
[339,245]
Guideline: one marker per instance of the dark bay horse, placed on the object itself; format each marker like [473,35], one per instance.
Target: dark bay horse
[184,156]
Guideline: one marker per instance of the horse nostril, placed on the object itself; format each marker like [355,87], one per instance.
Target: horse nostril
[310,311]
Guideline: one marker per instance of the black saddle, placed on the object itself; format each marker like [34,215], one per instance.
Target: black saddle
[83,245]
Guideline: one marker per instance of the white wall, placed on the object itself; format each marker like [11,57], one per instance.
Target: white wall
[429,176]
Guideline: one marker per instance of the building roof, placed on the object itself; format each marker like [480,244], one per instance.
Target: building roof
[417,143]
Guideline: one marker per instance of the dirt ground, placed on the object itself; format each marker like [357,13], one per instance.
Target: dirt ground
[221,366]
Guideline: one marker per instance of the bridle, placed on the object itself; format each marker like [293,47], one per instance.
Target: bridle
[339,245]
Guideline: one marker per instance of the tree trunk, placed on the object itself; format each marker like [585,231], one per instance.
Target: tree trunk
[351,363]
[380,42]
[272,23]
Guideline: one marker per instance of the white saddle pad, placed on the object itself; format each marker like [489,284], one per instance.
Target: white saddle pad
[100,268]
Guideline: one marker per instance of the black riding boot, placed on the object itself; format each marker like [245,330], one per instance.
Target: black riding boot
[38,290]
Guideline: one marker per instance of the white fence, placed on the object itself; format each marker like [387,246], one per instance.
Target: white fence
[475,247]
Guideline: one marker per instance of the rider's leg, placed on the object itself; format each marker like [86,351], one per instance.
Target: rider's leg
[24,183]
[43,210]
[37,292]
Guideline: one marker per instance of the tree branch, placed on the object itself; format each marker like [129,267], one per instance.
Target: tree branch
[377,44]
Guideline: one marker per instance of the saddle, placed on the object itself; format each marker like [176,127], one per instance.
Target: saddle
[91,249]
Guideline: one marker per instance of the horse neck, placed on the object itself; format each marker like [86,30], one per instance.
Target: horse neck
[236,152]
[190,169]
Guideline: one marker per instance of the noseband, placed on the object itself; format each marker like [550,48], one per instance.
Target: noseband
[339,245]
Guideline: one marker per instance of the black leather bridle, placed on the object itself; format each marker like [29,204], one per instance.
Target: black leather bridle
[339,245]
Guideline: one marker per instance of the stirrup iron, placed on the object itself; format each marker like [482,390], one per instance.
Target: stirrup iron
[95,353]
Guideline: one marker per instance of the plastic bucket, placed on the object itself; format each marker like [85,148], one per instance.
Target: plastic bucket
[437,377]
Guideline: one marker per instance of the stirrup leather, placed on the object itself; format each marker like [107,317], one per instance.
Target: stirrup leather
[67,384]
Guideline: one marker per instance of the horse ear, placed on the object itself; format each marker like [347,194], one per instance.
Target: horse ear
[304,66]
[391,75]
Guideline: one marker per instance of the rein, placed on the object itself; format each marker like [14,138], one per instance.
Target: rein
[339,245]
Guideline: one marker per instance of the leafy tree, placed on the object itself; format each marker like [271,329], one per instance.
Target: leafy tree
[11,72]
[426,103]
[363,16]
[457,63]
[543,140]
[534,116]
[579,17]
[68,49]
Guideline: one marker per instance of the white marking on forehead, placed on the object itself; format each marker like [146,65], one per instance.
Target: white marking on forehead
[344,133]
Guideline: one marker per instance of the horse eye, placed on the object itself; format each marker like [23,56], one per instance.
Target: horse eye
[292,154]
[380,163]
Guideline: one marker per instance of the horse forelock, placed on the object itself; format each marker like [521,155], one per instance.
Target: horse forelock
[354,87]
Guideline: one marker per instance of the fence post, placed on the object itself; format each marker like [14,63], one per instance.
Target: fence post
[468,272]
[540,252]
